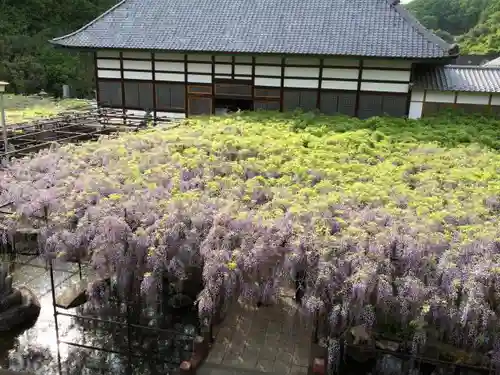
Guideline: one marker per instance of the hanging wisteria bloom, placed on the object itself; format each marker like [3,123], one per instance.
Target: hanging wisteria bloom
[379,225]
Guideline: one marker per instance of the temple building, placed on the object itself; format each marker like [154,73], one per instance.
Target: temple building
[362,58]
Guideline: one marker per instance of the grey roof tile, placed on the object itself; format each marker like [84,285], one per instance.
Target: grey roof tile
[375,28]
[459,78]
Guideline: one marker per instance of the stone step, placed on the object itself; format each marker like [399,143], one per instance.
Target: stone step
[74,295]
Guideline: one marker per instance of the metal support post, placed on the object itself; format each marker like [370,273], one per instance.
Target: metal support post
[53,290]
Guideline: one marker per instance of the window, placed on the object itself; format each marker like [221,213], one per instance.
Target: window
[395,105]
[110,93]
[200,89]
[139,95]
[338,103]
[170,96]
[267,93]
[347,104]
[303,99]
[200,106]
[370,105]
[233,89]
[266,105]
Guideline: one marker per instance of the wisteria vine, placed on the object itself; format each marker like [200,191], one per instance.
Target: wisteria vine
[400,234]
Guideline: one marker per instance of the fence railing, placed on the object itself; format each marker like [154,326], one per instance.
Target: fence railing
[71,127]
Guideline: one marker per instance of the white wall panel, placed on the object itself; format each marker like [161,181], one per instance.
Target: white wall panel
[169,66]
[136,55]
[415,109]
[108,64]
[417,95]
[393,63]
[199,68]
[439,97]
[223,69]
[473,98]
[223,76]
[104,54]
[384,87]
[102,73]
[270,82]
[495,99]
[267,70]
[137,65]
[301,83]
[386,75]
[243,69]
[340,61]
[339,85]
[198,78]
[301,72]
[146,76]
[248,78]
[340,73]
[175,77]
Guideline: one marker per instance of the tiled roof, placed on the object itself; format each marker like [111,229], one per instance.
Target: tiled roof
[459,78]
[493,63]
[376,28]
[474,59]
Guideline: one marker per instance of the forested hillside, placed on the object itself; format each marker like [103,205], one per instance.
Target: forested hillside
[474,24]
[28,61]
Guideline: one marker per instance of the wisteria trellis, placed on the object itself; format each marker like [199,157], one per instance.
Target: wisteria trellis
[386,229]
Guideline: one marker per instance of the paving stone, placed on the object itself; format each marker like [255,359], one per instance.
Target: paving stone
[284,356]
[268,353]
[282,368]
[301,355]
[216,354]
[233,361]
[265,365]
[298,370]
[267,339]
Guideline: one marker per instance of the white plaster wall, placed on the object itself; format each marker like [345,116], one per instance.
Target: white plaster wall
[419,97]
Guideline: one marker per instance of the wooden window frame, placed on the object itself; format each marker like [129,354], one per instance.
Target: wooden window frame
[205,89]
[256,93]
[231,84]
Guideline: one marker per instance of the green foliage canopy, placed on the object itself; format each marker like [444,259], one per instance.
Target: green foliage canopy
[474,24]
[27,61]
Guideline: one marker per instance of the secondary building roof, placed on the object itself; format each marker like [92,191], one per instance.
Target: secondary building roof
[475,59]
[493,63]
[459,78]
[378,28]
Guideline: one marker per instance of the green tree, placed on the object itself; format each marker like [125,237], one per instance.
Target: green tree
[474,24]
[28,61]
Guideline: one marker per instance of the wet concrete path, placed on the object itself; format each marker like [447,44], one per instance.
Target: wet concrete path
[36,349]
[274,339]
